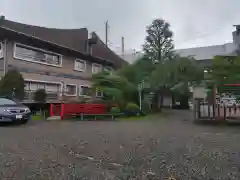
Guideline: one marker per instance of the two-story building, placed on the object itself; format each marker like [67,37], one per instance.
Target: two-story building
[57,60]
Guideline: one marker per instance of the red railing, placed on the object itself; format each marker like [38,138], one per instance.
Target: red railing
[66,110]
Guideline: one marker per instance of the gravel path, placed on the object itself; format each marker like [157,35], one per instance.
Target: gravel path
[167,148]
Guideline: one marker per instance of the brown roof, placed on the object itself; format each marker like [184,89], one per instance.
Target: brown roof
[70,38]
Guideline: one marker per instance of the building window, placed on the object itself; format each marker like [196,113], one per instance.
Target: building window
[31,54]
[71,90]
[1,50]
[99,93]
[31,85]
[84,90]
[79,65]
[96,68]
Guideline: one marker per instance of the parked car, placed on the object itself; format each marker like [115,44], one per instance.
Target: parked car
[228,102]
[11,111]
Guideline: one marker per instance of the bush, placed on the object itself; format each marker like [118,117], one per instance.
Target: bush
[115,110]
[12,85]
[133,110]
[108,104]
[40,96]
[132,106]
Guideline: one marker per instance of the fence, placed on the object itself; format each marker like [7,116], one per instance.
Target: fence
[68,110]
[205,110]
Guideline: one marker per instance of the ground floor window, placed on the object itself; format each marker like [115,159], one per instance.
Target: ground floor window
[99,93]
[84,90]
[71,89]
[48,86]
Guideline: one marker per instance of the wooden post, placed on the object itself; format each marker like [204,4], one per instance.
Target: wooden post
[218,107]
[62,111]
[224,112]
[199,109]
[81,116]
[214,100]
[51,110]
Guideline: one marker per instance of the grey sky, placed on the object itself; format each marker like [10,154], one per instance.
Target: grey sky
[194,22]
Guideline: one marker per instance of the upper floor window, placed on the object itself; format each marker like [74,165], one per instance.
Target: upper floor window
[71,89]
[80,65]
[96,68]
[36,55]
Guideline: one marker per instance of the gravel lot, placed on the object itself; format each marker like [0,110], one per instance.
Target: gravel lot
[159,148]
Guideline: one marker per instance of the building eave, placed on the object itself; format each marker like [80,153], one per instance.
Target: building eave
[86,55]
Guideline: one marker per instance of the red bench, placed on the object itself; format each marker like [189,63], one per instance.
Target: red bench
[68,110]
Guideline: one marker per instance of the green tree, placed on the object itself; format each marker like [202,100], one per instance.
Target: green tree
[224,69]
[158,48]
[138,71]
[158,42]
[175,77]
[161,80]
[40,96]
[114,87]
[12,84]
[187,73]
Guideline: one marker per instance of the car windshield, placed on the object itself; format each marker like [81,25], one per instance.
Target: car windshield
[4,101]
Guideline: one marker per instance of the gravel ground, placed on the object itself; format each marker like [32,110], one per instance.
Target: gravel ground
[160,148]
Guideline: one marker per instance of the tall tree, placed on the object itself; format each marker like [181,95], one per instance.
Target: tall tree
[158,42]
[158,48]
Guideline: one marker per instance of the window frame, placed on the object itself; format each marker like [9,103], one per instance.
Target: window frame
[80,90]
[96,64]
[80,60]
[40,81]
[96,94]
[37,49]
[65,88]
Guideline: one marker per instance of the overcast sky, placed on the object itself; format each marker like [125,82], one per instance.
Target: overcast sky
[194,22]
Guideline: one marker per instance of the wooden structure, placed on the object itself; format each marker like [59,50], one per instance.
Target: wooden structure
[216,109]
[69,110]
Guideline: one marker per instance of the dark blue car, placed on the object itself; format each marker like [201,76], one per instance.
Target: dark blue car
[11,111]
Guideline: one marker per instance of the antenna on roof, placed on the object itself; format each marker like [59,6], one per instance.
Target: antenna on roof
[123,50]
[106,33]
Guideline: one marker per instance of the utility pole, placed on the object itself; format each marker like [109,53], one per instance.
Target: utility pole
[123,46]
[106,33]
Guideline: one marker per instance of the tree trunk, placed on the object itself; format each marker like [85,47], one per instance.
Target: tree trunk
[184,102]
[161,101]
[173,99]
[155,101]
